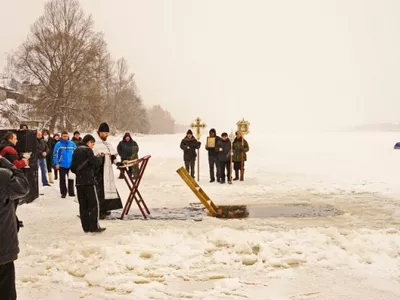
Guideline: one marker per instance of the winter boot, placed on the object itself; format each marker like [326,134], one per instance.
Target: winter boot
[236,175]
[71,188]
[51,179]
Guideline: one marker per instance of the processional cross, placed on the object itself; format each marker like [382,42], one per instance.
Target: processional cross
[198,125]
[243,128]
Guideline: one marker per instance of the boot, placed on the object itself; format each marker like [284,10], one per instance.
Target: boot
[236,175]
[51,179]
[71,189]
[242,175]
[121,175]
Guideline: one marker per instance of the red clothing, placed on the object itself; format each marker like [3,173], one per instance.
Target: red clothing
[10,153]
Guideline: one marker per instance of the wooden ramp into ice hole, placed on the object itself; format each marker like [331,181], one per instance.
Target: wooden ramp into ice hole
[198,191]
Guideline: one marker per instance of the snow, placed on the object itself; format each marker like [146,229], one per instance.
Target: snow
[13,113]
[351,256]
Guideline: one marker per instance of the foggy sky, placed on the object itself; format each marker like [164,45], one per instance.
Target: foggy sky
[285,64]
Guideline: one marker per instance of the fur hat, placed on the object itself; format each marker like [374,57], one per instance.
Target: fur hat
[104,127]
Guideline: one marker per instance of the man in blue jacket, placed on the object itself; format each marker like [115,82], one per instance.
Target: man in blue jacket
[62,159]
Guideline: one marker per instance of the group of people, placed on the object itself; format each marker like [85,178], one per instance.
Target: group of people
[221,152]
[81,163]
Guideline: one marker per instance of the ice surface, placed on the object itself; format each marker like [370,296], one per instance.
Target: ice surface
[354,255]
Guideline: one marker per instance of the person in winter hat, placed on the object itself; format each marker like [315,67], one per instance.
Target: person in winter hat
[84,165]
[189,145]
[213,161]
[128,149]
[224,157]
[107,193]
[240,149]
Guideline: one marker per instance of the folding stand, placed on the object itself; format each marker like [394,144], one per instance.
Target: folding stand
[133,185]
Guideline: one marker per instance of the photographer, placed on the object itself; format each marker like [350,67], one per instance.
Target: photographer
[13,185]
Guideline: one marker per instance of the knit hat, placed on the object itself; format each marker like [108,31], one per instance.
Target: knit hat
[104,127]
[224,134]
[76,132]
[87,138]
[189,132]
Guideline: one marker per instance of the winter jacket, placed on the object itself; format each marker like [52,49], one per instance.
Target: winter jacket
[76,141]
[62,153]
[53,144]
[224,155]
[83,165]
[193,144]
[213,151]
[41,146]
[128,150]
[9,151]
[13,186]
[238,149]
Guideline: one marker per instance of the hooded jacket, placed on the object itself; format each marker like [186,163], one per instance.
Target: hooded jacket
[213,151]
[128,150]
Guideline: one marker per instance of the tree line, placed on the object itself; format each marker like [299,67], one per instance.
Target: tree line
[73,82]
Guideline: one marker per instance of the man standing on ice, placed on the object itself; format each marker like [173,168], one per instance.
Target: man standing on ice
[62,158]
[84,164]
[213,157]
[13,186]
[106,190]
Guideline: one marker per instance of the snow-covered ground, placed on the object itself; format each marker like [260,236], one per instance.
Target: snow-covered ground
[352,256]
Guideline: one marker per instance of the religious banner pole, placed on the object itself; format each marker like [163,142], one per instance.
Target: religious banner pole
[231,137]
[243,129]
[198,125]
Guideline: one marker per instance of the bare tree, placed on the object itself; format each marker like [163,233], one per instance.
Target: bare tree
[59,55]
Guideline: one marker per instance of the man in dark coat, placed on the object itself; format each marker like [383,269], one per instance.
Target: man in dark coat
[49,157]
[109,197]
[224,153]
[83,165]
[42,150]
[76,138]
[13,186]
[128,149]
[189,145]
[213,157]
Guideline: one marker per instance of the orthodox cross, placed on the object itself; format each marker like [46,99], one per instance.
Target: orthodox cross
[198,125]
